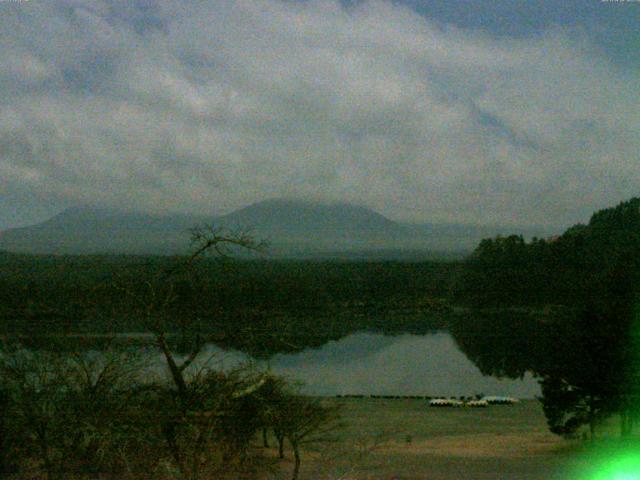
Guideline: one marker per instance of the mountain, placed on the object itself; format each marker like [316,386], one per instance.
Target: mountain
[284,217]
[87,230]
[293,228]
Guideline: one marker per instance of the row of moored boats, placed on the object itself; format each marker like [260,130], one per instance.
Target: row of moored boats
[476,403]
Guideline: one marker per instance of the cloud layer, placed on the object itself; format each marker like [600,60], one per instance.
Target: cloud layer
[208,106]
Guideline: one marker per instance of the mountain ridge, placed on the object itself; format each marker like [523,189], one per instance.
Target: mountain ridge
[293,227]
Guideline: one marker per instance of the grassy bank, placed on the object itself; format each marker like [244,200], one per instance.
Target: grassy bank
[405,439]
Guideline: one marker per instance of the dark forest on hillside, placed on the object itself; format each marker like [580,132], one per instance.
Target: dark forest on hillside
[565,309]
[283,305]
[562,308]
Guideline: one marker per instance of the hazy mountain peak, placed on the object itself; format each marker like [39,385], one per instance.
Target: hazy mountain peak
[293,227]
[291,216]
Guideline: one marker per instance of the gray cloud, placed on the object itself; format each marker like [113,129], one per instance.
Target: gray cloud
[207,106]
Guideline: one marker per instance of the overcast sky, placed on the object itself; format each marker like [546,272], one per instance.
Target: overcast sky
[487,112]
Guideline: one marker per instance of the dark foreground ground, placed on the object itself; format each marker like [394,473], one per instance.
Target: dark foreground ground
[406,439]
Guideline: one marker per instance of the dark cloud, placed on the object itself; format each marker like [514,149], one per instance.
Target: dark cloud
[203,106]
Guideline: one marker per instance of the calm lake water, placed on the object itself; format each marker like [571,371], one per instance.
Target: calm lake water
[368,363]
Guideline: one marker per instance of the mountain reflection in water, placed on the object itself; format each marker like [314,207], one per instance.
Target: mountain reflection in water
[368,363]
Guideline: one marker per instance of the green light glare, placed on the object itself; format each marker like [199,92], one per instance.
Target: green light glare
[612,464]
[625,468]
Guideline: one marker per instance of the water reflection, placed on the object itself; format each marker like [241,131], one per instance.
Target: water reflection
[367,363]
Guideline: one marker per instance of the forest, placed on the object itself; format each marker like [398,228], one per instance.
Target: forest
[566,309]
[563,308]
[283,305]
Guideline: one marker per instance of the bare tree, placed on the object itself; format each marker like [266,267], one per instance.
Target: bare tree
[205,240]
[195,413]
[35,401]
[66,409]
[302,419]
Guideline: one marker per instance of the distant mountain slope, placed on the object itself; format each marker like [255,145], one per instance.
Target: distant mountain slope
[294,229]
[292,220]
[95,230]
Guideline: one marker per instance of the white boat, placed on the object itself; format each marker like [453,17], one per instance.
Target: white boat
[477,403]
[445,402]
[496,400]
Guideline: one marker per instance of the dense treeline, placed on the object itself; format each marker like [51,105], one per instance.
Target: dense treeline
[571,269]
[260,306]
[565,309]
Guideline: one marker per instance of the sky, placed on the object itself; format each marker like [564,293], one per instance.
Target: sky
[485,112]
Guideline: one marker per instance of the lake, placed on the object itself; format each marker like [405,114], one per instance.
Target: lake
[370,363]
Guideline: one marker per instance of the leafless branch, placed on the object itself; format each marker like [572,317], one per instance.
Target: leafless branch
[207,239]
